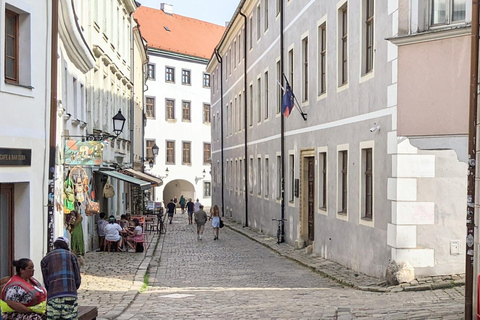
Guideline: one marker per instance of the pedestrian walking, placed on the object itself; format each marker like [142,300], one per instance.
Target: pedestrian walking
[190,209]
[171,210]
[182,203]
[61,275]
[200,219]
[197,206]
[215,216]
[101,223]
[175,200]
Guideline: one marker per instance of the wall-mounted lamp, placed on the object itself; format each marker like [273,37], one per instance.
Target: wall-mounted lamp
[375,127]
[118,123]
[202,177]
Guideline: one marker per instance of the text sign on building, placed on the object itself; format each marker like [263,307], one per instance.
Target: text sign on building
[15,157]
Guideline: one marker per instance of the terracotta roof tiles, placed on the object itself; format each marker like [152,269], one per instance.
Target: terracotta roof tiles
[177,33]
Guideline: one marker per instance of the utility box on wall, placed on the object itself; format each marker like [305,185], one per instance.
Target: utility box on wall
[454,247]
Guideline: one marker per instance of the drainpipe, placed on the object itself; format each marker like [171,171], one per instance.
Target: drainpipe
[471,164]
[53,127]
[245,118]
[282,128]
[219,59]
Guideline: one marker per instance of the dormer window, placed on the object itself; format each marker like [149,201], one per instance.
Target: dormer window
[167,28]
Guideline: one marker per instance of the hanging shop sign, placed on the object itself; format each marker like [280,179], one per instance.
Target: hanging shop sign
[15,157]
[86,153]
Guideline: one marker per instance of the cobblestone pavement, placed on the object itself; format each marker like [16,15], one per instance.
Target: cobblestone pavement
[237,278]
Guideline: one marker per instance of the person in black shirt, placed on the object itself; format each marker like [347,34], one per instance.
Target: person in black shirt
[190,208]
[170,210]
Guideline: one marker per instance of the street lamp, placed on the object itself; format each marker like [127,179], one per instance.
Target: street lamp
[118,123]
[150,164]
[202,177]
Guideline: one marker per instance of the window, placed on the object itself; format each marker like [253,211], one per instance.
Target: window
[259,99]
[267,178]
[343,45]
[367,183]
[11,46]
[206,80]
[278,4]
[291,176]
[278,88]
[207,189]
[279,177]
[186,153]
[206,113]
[265,10]
[186,110]
[151,71]
[169,74]
[259,18]
[170,109]
[186,77]
[7,246]
[290,68]
[265,86]
[207,153]
[250,176]
[322,57]
[369,10]
[150,107]
[322,171]
[170,152]
[343,180]
[447,11]
[305,69]
[259,176]
[148,146]
[250,120]
[250,34]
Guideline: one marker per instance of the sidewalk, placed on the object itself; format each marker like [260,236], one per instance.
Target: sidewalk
[340,273]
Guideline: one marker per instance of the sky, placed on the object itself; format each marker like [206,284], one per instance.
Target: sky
[214,11]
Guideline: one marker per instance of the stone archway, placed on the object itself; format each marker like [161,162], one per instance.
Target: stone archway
[177,188]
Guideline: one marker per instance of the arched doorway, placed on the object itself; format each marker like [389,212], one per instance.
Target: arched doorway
[178,188]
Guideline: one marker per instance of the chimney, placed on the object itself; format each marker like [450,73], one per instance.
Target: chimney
[167,8]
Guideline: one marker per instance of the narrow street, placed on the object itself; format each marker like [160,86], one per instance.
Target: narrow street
[237,278]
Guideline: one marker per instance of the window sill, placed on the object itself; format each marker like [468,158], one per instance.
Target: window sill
[342,213]
[16,88]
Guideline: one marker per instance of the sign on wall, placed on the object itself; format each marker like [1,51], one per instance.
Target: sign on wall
[15,157]
[87,153]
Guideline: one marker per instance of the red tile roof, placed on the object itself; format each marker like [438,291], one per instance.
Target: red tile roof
[186,36]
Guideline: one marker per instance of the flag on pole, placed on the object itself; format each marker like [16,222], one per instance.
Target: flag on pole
[287,101]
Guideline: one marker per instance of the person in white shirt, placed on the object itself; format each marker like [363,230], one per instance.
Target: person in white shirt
[196,206]
[112,232]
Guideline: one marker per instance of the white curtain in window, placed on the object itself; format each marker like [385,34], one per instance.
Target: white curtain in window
[439,11]
[458,12]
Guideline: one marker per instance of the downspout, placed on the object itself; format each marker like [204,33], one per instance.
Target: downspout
[472,147]
[219,59]
[282,128]
[132,106]
[245,118]
[53,126]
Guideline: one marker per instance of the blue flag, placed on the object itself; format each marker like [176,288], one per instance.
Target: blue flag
[287,101]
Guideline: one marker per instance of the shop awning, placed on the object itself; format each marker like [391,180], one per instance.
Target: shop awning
[156,182]
[144,185]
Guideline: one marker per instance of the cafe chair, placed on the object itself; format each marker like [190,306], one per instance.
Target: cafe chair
[109,244]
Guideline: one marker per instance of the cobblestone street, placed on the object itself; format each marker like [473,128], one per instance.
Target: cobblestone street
[237,278]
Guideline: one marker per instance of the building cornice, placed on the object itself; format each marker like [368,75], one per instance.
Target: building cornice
[176,55]
[72,38]
[432,35]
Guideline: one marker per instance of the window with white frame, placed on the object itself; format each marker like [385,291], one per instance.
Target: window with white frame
[259,99]
[265,13]
[207,153]
[250,33]
[250,114]
[207,189]
[151,71]
[265,88]
[305,69]
[169,74]
[322,58]
[368,33]
[150,107]
[267,178]
[447,11]
[367,183]
[342,181]
[187,152]
[186,110]
[343,44]
[259,176]
[322,180]
[186,77]
[206,80]
[290,68]
[250,176]
[206,113]
[291,177]
[170,109]
[170,154]
[279,94]
[279,177]
[259,22]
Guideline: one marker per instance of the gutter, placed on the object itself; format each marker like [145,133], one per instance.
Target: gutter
[245,118]
[219,59]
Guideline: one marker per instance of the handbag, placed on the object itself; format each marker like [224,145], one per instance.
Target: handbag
[108,190]
[221,223]
[92,207]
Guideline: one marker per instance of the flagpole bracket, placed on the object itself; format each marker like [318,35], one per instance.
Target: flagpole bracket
[304,115]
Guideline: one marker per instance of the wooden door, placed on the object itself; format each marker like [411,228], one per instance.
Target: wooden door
[6,229]
[311,196]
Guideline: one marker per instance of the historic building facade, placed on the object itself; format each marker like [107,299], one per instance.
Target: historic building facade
[177,102]
[357,189]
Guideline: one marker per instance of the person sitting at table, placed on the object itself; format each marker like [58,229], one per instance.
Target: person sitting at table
[23,297]
[135,236]
[123,221]
[112,232]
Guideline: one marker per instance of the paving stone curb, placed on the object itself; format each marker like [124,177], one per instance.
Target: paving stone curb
[340,273]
